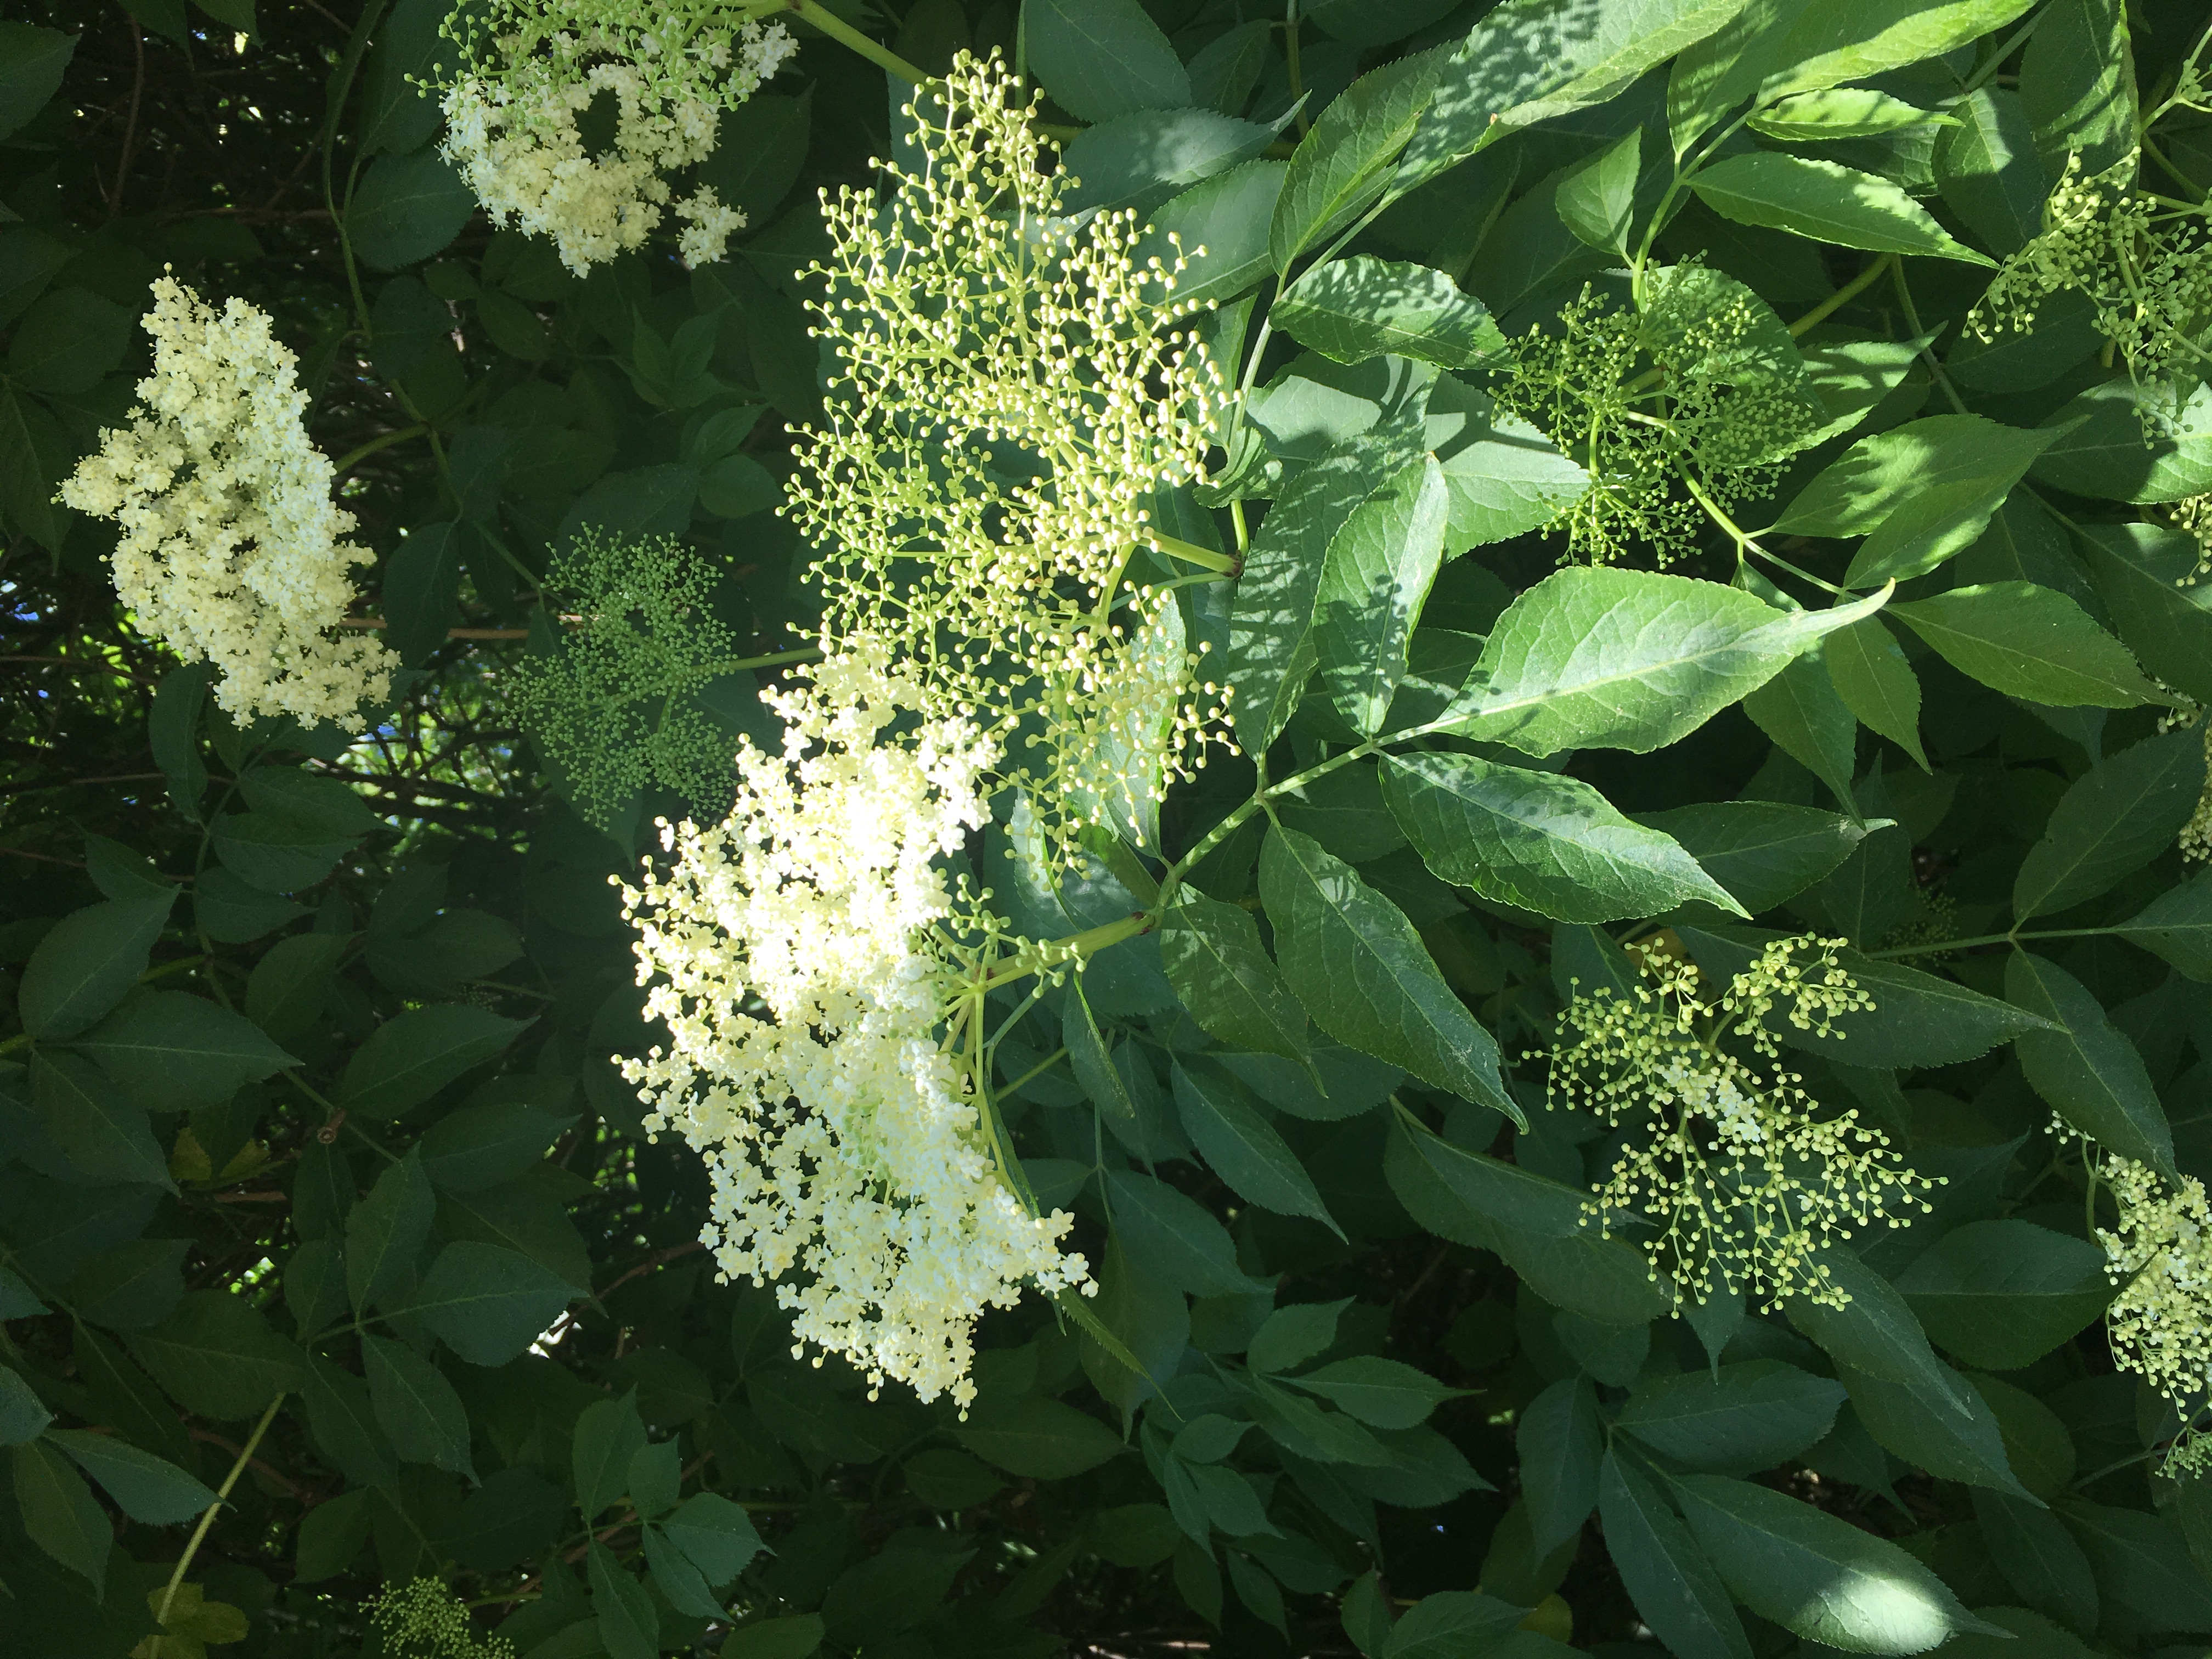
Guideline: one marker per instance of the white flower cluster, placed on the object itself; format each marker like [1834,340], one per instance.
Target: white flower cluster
[2161,1323]
[512,131]
[842,1141]
[232,548]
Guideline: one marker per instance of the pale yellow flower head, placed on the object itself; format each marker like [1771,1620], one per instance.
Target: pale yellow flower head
[232,549]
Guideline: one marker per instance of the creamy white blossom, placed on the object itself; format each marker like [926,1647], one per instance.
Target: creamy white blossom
[2159,1323]
[511,128]
[801,955]
[232,550]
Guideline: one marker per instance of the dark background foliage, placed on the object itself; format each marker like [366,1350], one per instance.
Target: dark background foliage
[389,975]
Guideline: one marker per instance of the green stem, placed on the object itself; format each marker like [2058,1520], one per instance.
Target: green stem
[845,35]
[1291,66]
[1842,296]
[207,1520]
[1927,351]
[1190,553]
[345,463]
[1988,938]
[1036,1071]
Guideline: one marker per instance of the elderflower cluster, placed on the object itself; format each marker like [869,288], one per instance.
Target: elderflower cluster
[1010,390]
[2160,1324]
[2144,264]
[2192,516]
[1687,393]
[804,954]
[232,550]
[423,1619]
[1745,1184]
[536,66]
[615,706]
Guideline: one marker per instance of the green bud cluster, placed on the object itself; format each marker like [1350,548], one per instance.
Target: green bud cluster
[616,705]
[1745,1179]
[423,1619]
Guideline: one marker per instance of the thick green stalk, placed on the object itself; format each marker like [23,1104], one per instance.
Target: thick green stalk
[207,1520]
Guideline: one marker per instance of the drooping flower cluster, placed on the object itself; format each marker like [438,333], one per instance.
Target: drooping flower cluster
[616,705]
[535,67]
[805,954]
[232,550]
[423,1619]
[2160,1255]
[1010,390]
[2143,264]
[1701,389]
[1744,1181]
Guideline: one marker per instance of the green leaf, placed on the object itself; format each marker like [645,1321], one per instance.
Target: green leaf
[490,1303]
[1545,842]
[68,339]
[171,1050]
[2143,1564]
[386,1231]
[1446,1623]
[524,1216]
[315,1286]
[1506,477]
[1736,1419]
[791,1637]
[1673,1582]
[629,1628]
[2040,1559]
[2111,822]
[1374,582]
[480,1146]
[23,1416]
[32,61]
[131,1286]
[2103,451]
[1987,168]
[674,1575]
[1271,651]
[1609,659]
[416,1407]
[1560,1439]
[407,208]
[1101,58]
[2002,1294]
[1242,1148]
[1535,60]
[1221,229]
[1173,1238]
[1345,160]
[1214,959]
[1088,1059]
[274,855]
[1354,959]
[1536,1224]
[101,1129]
[1918,493]
[1874,1333]
[2177,926]
[1353,309]
[1039,1437]
[86,962]
[1809,721]
[1597,199]
[287,990]
[1871,674]
[411,1056]
[1836,113]
[1292,1334]
[2140,570]
[421,591]
[1955,1436]
[60,1513]
[716,1534]
[344,1426]
[760,148]
[1386,1393]
[2085,1068]
[218,1356]
[1762,852]
[609,1434]
[1827,202]
[2077,83]
[1137,160]
[2029,642]
[1821,1578]
[227,910]
[1832,41]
